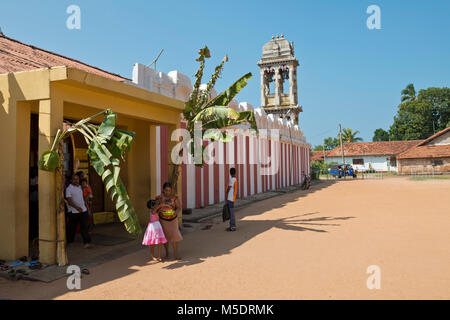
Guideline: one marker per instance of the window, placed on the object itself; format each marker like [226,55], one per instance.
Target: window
[437,162]
[393,162]
[358,161]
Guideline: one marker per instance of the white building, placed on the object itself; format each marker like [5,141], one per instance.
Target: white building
[379,156]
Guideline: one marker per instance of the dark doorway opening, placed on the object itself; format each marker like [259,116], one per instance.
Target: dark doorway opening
[33,211]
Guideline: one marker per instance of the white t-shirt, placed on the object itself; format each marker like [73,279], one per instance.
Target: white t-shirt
[233,189]
[76,194]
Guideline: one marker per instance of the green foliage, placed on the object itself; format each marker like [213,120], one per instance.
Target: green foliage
[106,145]
[319,148]
[49,161]
[215,113]
[107,164]
[380,135]
[413,121]
[330,143]
[348,135]
[422,116]
[319,167]
[409,93]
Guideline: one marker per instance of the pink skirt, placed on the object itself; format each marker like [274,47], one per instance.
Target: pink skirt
[154,234]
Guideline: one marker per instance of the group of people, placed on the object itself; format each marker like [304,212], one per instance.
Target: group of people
[78,196]
[163,227]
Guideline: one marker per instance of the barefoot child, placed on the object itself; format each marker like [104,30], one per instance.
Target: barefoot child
[154,234]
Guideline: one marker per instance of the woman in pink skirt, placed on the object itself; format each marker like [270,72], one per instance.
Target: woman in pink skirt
[154,235]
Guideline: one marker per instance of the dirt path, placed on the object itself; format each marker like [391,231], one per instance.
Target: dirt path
[303,245]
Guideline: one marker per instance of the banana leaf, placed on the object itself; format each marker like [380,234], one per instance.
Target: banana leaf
[216,112]
[49,161]
[106,145]
[120,142]
[225,97]
[107,127]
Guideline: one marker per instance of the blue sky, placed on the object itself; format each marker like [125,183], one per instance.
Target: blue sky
[348,74]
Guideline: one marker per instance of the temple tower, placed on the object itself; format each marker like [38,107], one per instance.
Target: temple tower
[277,65]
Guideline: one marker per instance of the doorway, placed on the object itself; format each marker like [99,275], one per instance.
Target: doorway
[33,209]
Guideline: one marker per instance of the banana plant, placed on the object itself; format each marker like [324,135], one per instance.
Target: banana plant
[106,146]
[213,113]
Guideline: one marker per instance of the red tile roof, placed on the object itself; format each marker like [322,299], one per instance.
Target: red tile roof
[373,148]
[317,155]
[422,150]
[434,136]
[17,56]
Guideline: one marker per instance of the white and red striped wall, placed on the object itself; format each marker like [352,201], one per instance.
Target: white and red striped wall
[202,186]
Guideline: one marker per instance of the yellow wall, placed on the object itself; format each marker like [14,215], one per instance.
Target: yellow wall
[55,94]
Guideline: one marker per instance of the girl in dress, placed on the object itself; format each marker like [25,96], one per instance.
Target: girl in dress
[154,235]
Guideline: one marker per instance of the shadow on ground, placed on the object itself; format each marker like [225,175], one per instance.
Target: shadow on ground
[193,252]
[193,249]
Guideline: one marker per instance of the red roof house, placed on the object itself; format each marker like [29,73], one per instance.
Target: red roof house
[429,156]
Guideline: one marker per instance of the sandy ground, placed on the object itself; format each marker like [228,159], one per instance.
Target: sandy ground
[314,244]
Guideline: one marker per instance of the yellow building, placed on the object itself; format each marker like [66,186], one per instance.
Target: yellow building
[38,91]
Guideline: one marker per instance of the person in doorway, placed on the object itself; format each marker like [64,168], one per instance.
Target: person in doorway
[168,207]
[78,213]
[231,192]
[88,196]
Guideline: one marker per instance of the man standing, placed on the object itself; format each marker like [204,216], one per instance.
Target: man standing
[231,198]
[78,213]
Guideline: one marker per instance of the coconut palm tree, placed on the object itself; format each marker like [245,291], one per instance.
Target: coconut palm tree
[348,135]
[213,113]
[409,93]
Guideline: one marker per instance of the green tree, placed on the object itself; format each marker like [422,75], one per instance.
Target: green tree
[440,100]
[318,148]
[380,135]
[409,93]
[330,143]
[348,135]
[423,116]
[414,120]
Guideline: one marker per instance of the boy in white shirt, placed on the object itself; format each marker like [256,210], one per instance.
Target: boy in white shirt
[231,198]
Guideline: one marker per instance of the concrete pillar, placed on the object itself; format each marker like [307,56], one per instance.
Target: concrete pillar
[263,88]
[277,86]
[50,120]
[153,160]
[22,196]
[172,167]
[291,85]
[14,196]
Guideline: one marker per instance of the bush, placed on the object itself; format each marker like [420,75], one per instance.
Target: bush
[318,168]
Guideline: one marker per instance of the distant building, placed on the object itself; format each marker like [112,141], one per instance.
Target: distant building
[430,155]
[380,156]
[318,155]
